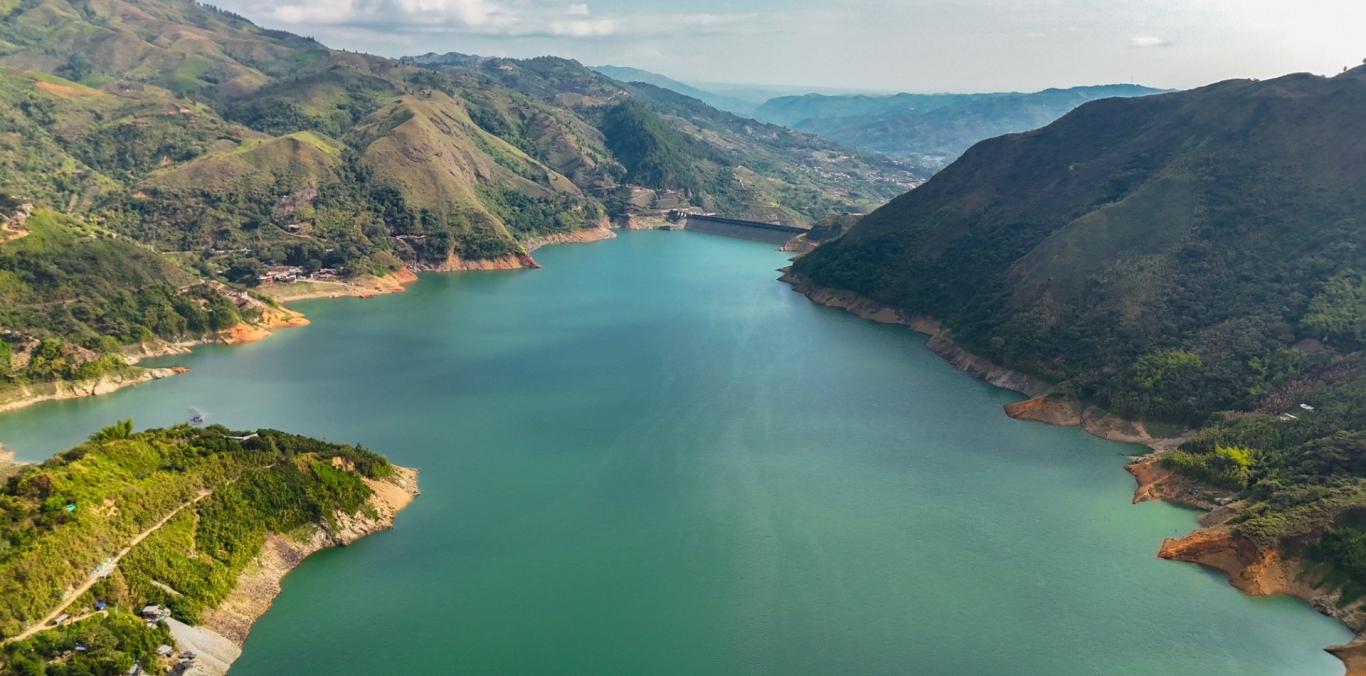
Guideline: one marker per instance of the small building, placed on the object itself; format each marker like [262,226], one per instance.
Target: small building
[62,619]
[154,613]
[1307,407]
[165,651]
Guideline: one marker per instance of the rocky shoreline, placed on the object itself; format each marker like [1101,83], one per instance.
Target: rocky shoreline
[274,318]
[29,394]
[217,641]
[1254,569]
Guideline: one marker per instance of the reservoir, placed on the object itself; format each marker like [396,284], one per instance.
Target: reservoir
[652,457]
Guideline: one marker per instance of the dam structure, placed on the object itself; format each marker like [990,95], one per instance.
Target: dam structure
[758,231]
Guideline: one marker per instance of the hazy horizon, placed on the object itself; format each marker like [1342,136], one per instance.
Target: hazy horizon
[861,45]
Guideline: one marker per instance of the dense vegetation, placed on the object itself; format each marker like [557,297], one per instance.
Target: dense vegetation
[655,155]
[929,129]
[71,296]
[61,519]
[1190,258]
[108,644]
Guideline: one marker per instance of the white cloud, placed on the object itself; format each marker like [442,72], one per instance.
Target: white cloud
[584,28]
[1149,41]
[578,9]
[315,12]
[459,13]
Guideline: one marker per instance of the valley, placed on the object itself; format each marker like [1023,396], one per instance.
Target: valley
[702,439]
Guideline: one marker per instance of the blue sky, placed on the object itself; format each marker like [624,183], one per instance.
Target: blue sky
[900,45]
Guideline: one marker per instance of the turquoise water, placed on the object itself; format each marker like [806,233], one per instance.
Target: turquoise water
[650,457]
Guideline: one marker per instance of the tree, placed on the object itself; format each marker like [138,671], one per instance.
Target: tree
[119,430]
[1339,311]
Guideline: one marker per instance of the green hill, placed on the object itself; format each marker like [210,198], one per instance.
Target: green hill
[744,167]
[1167,257]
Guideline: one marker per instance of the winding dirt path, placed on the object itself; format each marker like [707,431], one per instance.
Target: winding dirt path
[102,571]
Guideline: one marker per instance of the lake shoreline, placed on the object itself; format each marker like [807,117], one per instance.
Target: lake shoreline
[218,640]
[1252,569]
[29,394]
[279,317]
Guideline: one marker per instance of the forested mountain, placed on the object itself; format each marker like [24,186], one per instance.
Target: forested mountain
[1168,257]
[930,129]
[206,151]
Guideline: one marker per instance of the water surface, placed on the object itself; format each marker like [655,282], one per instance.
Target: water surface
[651,457]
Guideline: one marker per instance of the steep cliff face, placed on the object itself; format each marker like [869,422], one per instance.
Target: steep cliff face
[1262,570]
[1050,410]
[520,261]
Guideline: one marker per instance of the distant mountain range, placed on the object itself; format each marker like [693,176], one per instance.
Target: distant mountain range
[931,129]
[734,104]
[741,99]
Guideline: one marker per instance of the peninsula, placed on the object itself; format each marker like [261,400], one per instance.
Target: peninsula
[157,550]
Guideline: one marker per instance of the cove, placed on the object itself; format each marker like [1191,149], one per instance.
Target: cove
[652,457]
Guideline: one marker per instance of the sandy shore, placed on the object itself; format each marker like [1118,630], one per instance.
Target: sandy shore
[362,287]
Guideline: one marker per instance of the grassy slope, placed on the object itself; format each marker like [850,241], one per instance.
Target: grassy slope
[419,143]
[749,168]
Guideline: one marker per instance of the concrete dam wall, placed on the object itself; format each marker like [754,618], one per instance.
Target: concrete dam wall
[751,230]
